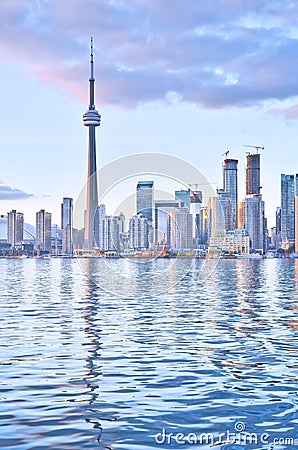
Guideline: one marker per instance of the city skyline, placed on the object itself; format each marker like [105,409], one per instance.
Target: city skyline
[190,119]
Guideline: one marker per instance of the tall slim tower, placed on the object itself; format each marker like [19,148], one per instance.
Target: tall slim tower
[67,225]
[91,119]
[253,174]
[230,185]
[287,210]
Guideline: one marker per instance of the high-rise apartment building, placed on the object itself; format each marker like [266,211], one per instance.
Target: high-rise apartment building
[67,225]
[99,231]
[203,226]
[219,213]
[241,214]
[287,210]
[183,195]
[43,231]
[3,228]
[230,185]
[113,228]
[91,119]
[278,227]
[138,232]
[296,213]
[253,174]
[195,208]
[15,227]
[254,221]
[145,200]
[161,210]
[180,228]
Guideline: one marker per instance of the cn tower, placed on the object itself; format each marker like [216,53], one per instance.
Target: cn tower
[91,119]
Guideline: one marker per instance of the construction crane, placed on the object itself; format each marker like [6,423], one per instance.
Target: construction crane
[257,147]
[225,154]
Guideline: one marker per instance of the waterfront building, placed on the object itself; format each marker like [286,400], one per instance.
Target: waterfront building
[287,211]
[265,228]
[296,213]
[15,227]
[232,241]
[3,228]
[203,225]
[278,227]
[144,199]
[91,119]
[43,231]
[180,228]
[253,174]
[109,230]
[219,213]
[56,240]
[183,195]
[161,210]
[241,214]
[195,208]
[67,225]
[99,230]
[230,185]
[138,232]
[273,240]
[254,221]
[113,228]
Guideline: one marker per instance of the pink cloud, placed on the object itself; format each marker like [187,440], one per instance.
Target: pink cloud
[290,113]
[144,50]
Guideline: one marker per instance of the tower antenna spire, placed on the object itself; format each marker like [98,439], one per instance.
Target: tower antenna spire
[91,79]
[91,59]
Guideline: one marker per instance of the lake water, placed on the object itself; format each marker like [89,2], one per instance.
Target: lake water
[82,368]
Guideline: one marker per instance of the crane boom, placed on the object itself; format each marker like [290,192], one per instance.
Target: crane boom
[257,147]
[226,153]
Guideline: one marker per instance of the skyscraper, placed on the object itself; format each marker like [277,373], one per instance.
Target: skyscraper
[43,231]
[219,213]
[194,209]
[67,225]
[161,210]
[91,119]
[138,232]
[253,174]
[296,213]
[241,214]
[203,226]
[230,185]
[254,221]
[180,228]
[3,228]
[287,210]
[278,226]
[145,200]
[184,197]
[15,227]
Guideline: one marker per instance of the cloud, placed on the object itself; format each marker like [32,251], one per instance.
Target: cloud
[10,193]
[290,113]
[216,53]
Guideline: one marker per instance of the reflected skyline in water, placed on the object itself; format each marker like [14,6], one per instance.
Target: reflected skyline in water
[81,368]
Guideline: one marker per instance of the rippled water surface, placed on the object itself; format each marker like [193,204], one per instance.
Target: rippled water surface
[84,369]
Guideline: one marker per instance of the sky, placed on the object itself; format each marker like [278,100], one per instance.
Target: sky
[188,78]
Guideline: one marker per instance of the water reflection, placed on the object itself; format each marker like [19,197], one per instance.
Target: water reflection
[85,369]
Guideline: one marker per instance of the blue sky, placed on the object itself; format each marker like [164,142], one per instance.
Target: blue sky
[189,78]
